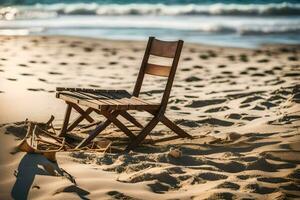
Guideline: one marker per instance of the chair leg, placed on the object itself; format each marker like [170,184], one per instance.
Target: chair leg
[66,121]
[130,118]
[94,133]
[82,112]
[97,130]
[120,125]
[163,119]
[174,127]
[79,119]
[142,135]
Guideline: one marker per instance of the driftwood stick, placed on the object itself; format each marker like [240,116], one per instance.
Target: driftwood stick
[48,142]
[91,124]
[58,139]
[49,121]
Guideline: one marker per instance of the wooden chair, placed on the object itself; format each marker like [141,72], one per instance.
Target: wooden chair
[112,103]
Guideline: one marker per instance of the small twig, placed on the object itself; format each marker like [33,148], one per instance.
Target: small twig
[68,176]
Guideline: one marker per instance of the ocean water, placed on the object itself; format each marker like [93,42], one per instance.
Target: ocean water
[225,23]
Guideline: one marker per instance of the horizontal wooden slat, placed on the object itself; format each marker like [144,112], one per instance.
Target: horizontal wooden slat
[96,101]
[91,90]
[158,70]
[75,100]
[163,48]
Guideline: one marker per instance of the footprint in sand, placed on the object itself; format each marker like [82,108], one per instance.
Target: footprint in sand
[252,68]
[257,108]
[202,103]
[228,185]
[136,50]
[295,74]
[188,123]
[291,187]
[209,176]
[73,45]
[295,174]
[215,122]
[12,79]
[244,58]
[277,68]
[42,80]
[190,96]
[22,65]
[258,75]
[271,72]
[187,59]
[82,63]
[251,99]
[113,63]
[292,58]
[287,50]
[55,73]
[231,57]
[185,69]
[26,74]
[72,189]
[263,60]
[212,53]
[70,54]
[35,89]
[198,67]
[226,72]
[88,49]
[250,118]
[222,195]
[193,79]
[268,105]
[217,109]
[234,116]
[243,73]
[256,188]
[118,195]
[94,86]
[203,56]
[273,179]
[174,108]
[63,63]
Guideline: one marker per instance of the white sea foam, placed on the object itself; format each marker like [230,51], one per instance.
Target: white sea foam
[44,11]
[196,24]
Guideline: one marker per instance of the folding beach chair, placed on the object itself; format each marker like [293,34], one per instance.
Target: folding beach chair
[112,103]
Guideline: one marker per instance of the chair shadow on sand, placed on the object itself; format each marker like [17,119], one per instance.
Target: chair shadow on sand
[35,164]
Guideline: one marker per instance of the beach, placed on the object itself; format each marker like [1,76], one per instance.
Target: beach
[241,106]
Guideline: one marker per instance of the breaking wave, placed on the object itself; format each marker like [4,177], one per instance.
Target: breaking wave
[53,10]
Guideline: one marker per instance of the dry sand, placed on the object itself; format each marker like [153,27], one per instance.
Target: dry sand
[241,105]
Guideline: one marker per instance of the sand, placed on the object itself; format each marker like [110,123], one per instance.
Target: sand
[241,106]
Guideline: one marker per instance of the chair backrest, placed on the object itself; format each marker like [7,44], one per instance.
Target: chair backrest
[162,49]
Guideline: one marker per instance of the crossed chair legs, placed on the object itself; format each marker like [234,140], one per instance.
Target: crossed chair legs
[111,117]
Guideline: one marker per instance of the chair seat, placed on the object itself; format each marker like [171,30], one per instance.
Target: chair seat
[104,99]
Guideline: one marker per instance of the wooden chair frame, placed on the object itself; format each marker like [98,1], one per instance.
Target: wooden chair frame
[154,47]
